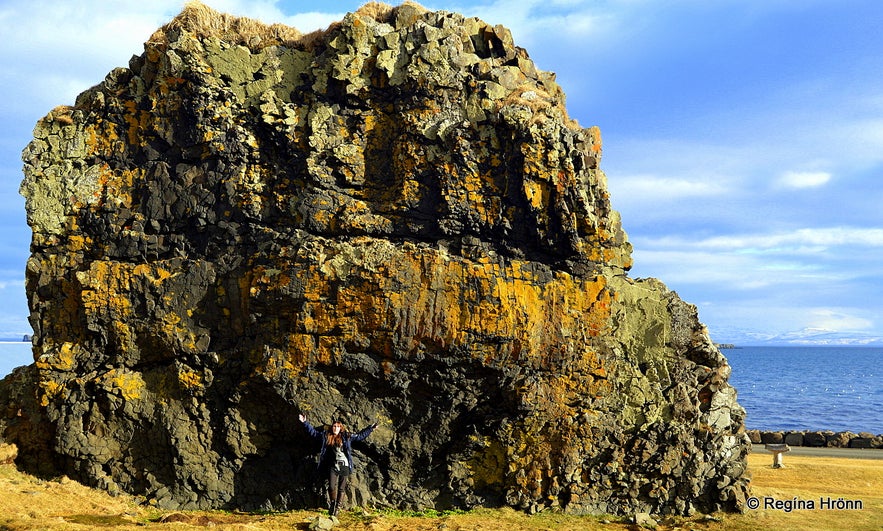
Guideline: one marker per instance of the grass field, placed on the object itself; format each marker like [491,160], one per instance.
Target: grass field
[28,503]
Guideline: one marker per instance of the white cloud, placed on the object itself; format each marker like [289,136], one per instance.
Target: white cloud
[269,12]
[862,139]
[682,267]
[308,22]
[532,26]
[53,47]
[655,202]
[42,26]
[795,179]
[60,49]
[808,262]
[4,285]
[639,188]
[765,318]
[800,240]
[837,319]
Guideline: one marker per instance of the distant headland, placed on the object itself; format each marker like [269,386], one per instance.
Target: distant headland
[24,339]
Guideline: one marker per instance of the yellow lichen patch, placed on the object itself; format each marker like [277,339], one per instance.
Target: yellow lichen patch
[102,139]
[77,243]
[137,120]
[250,183]
[129,385]
[410,193]
[468,188]
[456,303]
[116,186]
[535,193]
[190,380]
[408,159]
[529,456]
[108,288]
[302,350]
[166,105]
[499,311]
[58,357]
[171,324]
[154,273]
[597,319]
[170,84]
[106,285]
[263,278]
[49,389]
[602,254]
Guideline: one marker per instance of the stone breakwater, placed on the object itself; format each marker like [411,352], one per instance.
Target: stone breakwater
[391,221]
[818,439]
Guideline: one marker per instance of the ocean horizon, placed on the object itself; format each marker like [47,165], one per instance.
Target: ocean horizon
[809,388]
[781,388]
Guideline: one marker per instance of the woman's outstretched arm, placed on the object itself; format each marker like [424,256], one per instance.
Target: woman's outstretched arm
[364,433]
[310,429]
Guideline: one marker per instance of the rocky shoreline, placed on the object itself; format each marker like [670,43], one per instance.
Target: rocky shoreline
[817,439]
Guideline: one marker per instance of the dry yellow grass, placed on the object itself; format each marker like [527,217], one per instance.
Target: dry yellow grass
[814,479]
[540,103]
[8,453]
[379,11]
[200,19]
[205,21]
[28,503]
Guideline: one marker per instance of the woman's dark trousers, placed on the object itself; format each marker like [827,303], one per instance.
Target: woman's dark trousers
[336,490]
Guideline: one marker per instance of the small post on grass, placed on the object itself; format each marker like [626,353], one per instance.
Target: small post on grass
[777,450]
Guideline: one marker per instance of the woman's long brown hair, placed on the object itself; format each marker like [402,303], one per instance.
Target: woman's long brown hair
[335,440]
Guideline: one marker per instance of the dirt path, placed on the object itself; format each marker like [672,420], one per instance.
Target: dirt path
[851,453]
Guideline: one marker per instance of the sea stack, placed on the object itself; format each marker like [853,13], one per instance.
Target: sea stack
[391,220]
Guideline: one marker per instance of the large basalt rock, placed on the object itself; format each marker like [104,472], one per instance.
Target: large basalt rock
[393,220]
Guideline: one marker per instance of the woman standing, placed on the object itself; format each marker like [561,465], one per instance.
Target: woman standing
[336,456]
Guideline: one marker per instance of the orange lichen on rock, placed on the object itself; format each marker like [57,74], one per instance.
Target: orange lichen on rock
[501,312]
[102,139]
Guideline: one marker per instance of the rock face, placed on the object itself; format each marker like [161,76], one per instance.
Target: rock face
[392,220]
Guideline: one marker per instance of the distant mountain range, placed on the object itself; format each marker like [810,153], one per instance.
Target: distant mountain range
[804,337]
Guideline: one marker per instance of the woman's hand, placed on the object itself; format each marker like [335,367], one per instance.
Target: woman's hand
[302,418]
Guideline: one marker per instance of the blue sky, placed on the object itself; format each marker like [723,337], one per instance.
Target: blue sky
[743,140]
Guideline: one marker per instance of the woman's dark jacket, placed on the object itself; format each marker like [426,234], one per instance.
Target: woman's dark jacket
[348,439]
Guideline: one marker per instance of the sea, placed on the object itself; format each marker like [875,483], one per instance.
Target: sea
[809,388]
[781,388]
[14,354]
